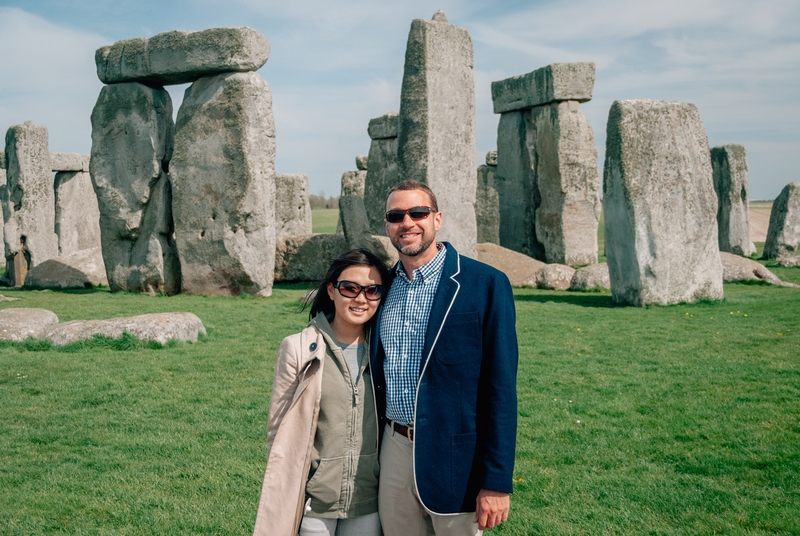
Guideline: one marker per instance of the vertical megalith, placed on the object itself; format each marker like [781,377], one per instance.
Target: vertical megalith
[224,186]
[660,206]
[356,227]
[382,171]
[2,188]
[730,183]
[132,138]
[77,214]
[783,234]
[436,132]
[352,184]
[487,202]
[292,206]
[28,202]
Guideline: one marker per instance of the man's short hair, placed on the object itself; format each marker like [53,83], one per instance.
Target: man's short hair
[414,185]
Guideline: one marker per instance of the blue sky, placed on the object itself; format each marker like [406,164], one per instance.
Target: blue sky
[335,65]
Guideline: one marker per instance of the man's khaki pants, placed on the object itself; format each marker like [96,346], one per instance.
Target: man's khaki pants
[402,513]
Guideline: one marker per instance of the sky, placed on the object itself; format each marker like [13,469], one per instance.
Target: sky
[335,65]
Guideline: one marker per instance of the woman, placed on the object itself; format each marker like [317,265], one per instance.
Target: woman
[322,432]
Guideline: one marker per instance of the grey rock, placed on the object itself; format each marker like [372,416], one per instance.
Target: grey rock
[307,258]
[178,57]
[436,134]
[789,262]
[660,206]
[491,158]
[28,201]
[292,207]
[77,217]
[385,126]
[487,206]
[517,189]
[594,276]
[520,269]
[381,176]
[17,324]
[554,277]
[7,298]
[439,16]
[565,169]
[362,162]
[81,269]
[158,327]
[730,183]
[132,140]
[224,186]
[2,188]
[554,83]
[69,162]
[783,235]
[736,268]
[356,228]
[353,183]
[2,160]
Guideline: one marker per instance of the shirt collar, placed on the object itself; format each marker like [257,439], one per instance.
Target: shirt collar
[430,269]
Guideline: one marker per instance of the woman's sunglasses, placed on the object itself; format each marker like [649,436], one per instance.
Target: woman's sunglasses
[348,289]
[416,214]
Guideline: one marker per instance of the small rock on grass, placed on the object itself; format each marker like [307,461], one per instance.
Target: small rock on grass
[17,324]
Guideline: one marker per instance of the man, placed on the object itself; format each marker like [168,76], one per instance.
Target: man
[444,364]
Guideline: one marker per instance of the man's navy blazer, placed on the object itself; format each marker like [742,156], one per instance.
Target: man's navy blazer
[465,422]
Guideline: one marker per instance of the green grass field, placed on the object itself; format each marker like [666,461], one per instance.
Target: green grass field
[663,420]
[323,220]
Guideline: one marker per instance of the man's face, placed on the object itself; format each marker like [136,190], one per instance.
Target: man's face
[412,237]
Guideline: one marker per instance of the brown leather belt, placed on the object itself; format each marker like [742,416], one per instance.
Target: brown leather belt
[403,430]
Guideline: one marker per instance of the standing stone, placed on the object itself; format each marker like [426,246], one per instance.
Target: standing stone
[436,135]
[77,214]
[2,189]
[382,173]
[292,206]
[28,201]
[783,235]
[224,186]
[730,183]
[356,228]
[132,139]
[487,202]
[352,184]
[660,206]
[362,161]
[565,168]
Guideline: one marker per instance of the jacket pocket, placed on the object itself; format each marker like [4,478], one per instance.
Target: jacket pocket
[325,485]
[365,483]
[462,455]
[460,340]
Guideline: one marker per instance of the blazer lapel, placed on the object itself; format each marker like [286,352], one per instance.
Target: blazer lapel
[443,301]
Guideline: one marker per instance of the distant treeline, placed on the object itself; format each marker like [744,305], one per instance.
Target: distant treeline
[320,201]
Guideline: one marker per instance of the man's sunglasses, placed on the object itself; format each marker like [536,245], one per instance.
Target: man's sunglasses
[348,289]
[416,213]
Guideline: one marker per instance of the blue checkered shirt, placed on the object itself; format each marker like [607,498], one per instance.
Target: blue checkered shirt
[402,330]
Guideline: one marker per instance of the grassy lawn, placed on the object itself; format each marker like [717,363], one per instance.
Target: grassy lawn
[323,220]
[664,420]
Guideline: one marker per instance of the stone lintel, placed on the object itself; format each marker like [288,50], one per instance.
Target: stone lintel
[554,83]
[69,162]
[384,126]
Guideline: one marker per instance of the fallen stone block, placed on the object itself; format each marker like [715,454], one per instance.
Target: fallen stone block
[69,162]
[179,57]
[82,269]
[594,276]
[554,277]
[736,268]
[554,83]
[158,327]
[783,235]
[520,269]
[17,324]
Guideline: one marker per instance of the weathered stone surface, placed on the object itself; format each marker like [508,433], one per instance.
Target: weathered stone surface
[356,228]
[385,126]
[491,158]
[353,183]
[554,277]
[520,269]
[554,83]
[730,183]
[2,160]
[789,262]
[565,168]
[591,277]
[223,174]
[517,190]
[487,206]
[381,175]
[660,206]
[81,269]
[292,207]
[2,188]
[28,200]
[736,268]
[77,218]
[69,162]
[783,235]
[362,161]
[159,327]
[7,298]
[179,57]
[436,134]
[132,140]
[307,258]
[17,324]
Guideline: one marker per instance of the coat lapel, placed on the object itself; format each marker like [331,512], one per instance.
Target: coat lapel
[443,301]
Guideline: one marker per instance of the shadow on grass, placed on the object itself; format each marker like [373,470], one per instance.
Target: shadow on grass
[582,299]
[76,290]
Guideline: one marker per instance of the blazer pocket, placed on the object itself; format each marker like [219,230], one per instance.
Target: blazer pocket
[325,485]
[460,339]
[462,455]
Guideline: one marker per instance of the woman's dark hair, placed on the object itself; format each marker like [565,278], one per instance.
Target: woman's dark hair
[355,257]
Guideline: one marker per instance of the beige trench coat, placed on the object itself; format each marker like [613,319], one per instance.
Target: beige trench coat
[292,423]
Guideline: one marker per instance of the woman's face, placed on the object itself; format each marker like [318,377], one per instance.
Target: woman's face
[356,311]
